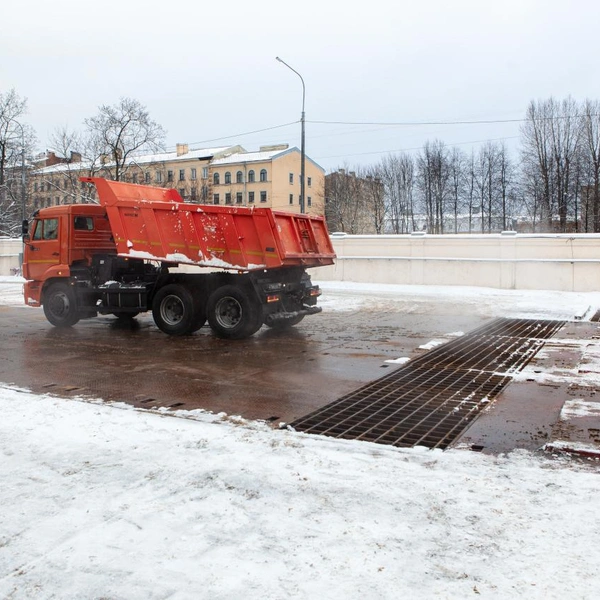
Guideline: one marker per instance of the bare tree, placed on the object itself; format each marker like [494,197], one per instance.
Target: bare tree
[434,183]
[397,176]
[538,160]
[506,183]
[471,188]
[590,157]
[16,141]
[118,131]
[74,148]
[457,184]
[375,197]
[345,206]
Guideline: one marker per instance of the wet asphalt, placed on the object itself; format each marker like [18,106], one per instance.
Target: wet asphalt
[272,376]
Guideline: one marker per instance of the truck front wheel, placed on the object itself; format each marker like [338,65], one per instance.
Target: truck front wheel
[233,314]
[173,309]
[60,305]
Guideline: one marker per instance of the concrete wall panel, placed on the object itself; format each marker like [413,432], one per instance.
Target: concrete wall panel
[506,261]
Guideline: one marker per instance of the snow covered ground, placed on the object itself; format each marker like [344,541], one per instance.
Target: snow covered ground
[103,501]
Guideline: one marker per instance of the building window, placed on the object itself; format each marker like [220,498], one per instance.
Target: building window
[250,197]
[227,177]
[291,178]
[193,174]
[263,175]
[193,194]
[182,192]
[204,172]
[291,198]
[216,179]
[215,198]
[134,178]
[309,181]
[309,201]
[204,193]
[263,196]
[227,198]
[181,174]
[147,176]
[158,176]
[169,176]
[239,198]
[251,176]
[239,177]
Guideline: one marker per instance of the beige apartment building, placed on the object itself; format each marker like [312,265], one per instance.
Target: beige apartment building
[227,175]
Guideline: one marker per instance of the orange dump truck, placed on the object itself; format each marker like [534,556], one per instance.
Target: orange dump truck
[120,258]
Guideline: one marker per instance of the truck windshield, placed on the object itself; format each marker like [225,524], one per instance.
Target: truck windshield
[46,229]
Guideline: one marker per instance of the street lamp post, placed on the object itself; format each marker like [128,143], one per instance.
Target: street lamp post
[302,142]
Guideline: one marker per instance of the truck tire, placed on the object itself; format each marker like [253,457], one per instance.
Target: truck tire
[233,314]
[174,310]
[200,315]
[60,305]
[281,324]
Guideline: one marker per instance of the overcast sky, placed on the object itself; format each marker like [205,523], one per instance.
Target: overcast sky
[207,70]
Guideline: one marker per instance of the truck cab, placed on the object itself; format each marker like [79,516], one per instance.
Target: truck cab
[60,239]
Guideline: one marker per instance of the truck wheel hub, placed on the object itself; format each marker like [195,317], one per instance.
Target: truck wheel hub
[228,312]
[59,304]
[172,310]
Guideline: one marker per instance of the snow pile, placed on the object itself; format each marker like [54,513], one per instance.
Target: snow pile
[106,503]
[11,290]
[440,300]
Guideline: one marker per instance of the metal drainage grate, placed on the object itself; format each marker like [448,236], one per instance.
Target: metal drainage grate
[432,399]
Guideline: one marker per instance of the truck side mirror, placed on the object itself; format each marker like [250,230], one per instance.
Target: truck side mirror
[25,229]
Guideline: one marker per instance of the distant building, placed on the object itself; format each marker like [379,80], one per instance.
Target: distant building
[354,204]
[222,175]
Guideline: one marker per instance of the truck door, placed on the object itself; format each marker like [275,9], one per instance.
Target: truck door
[43,248]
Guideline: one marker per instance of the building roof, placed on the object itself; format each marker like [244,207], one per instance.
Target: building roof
[260,156]
[200,153]
[225,155]
[247,157]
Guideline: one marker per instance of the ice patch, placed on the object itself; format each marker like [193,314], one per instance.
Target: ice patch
[397,361]
[432,344]
[577,407]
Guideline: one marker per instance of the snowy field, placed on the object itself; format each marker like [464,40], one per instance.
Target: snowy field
[103,501]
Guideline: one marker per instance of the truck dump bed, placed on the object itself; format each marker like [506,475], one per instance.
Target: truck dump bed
[154,223]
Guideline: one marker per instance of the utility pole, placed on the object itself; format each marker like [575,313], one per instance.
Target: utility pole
[302,138]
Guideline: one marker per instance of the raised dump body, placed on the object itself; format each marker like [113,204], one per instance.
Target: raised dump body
[118,258]
[155,224]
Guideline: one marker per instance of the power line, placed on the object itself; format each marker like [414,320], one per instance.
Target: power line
[514,137]
[237,135]
[424,123]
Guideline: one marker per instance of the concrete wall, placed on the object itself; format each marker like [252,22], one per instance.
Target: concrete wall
[10,250]
[538,262]
[507,261]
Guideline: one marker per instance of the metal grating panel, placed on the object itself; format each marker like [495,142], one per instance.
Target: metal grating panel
[432,399]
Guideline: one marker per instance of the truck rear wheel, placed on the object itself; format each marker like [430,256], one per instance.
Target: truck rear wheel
[174,310]
[233,314]
[60,305]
